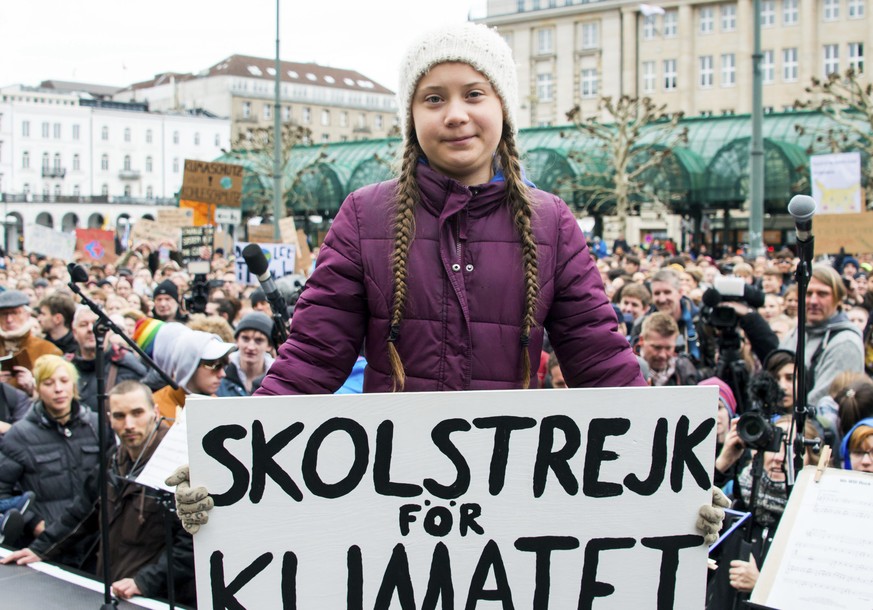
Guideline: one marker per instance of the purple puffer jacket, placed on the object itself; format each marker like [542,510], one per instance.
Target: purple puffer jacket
[461,326]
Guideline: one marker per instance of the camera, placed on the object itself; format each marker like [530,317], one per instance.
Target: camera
[754,426]
[728,289]
[196,302]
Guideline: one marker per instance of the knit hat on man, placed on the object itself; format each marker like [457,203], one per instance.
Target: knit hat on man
[471,43]
[168,288]
[258,321]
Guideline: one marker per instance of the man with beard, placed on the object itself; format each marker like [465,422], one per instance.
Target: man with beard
[658,348]
[18,341]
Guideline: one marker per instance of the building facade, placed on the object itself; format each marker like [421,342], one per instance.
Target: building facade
[69,147]
[336,105]
[692,56]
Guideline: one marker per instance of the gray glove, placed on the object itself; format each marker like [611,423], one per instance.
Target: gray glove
[191,504]
[710,517]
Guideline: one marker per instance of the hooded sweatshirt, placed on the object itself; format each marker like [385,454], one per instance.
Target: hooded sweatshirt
[842,350]
[844,446]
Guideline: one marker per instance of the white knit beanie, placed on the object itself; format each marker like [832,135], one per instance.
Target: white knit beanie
[470,43]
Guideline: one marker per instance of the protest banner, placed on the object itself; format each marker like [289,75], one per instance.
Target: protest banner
[201,213]
[228,216]
[836,182]
[854,232]
[48,242]
[304,254]
[175,217]
[280,257]
[196,243]
[260,233]
[96,245]
[823,548]
[549,499]
[212,182]
[150,231]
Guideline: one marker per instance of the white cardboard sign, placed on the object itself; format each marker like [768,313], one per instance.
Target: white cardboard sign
[499,499]
[280,258]
[49,242]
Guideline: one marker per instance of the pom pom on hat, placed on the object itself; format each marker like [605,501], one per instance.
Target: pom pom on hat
[474,44]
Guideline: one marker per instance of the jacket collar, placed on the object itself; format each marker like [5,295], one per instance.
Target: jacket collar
[442,196]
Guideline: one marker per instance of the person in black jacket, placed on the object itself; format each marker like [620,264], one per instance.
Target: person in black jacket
[55,314]
[138,558]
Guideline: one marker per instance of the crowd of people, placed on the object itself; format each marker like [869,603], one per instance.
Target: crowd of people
[459,275]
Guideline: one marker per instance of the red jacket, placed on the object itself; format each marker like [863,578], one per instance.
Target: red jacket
[461,325]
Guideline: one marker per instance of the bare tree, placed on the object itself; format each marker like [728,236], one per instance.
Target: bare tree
[848,102]
[254,149]
[621,156]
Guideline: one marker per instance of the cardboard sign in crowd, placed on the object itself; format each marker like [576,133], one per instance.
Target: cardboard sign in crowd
[501,499]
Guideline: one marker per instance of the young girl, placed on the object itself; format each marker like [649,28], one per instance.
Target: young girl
[450,274]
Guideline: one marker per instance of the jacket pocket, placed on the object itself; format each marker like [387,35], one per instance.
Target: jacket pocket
[50,460]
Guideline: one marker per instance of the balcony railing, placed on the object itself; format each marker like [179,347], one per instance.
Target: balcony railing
[33,198]
[54,172]
[129,174]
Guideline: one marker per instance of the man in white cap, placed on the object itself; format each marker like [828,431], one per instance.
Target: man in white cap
[17,340]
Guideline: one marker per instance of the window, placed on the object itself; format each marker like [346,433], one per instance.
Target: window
[362,120]
[768,13]
[831,10]
[768,67]
[706,19]
[77,162]
[649,76]
[56,162]
[380,122]
[307,116]
[669,74]
[856,56]
[325,117]
[175,137]
[77,191]
[45,161]
[175,165]
[26,188]
[148,136]
[127,163]
[57,190]
[148,165]
[728,70]
[196,138]
[45,129]
[671,24]
[286,114]
[76,132]
[649,27]
[246,110]
[789,65]
[217,140]
[789,12]
[127,190]
[150,192]
[831,58]
[104,133]
[706,71]
[589,83]
[325,137]
[104,163]
[25,129]
[545,87]
[545,40]
[56,131]
[728,17]
[127,134]
[344,119]
[856,9]
[104,190]
[25,160]
[268,112]
[590,35]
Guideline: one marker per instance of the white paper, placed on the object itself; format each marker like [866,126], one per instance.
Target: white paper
[170,454]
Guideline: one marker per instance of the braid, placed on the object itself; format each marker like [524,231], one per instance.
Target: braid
[519,199]
[404,230]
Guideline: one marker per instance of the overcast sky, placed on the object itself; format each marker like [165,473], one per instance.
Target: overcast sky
[119,42]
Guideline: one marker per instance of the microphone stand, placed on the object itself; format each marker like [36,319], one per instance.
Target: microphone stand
[805,249]
[101,327]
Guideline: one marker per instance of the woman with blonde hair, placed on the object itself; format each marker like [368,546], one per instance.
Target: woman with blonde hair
[53,449]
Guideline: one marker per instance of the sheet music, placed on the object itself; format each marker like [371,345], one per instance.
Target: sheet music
[170,454]
[822,556]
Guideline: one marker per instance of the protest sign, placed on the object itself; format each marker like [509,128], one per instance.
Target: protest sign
[280,257]
[288,231]
[48,242]
[854,232]
[196,243]
[260,233]
[201,213]
[531,499]
[823,548]
[150,231]
[836,182]
[96,245]
[212,182]
[228,216]
[175,217]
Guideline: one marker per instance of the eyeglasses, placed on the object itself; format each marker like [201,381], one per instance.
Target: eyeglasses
[214,365]
[859,455]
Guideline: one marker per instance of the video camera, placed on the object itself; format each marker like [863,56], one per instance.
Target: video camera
[728,289]
[754,426]
[196,302]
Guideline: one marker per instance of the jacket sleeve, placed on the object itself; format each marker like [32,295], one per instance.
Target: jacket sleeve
[330,318]
[581,323]
[762,339]
[151,579]
[844,353]
[72,526]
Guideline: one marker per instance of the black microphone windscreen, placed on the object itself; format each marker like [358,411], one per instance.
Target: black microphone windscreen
[753,297]
[255,259]
[711,298]
[77,273]
[801,208]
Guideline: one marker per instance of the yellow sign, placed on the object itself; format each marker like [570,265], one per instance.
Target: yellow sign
[213,182]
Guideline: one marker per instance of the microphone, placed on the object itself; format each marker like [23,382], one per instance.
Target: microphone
[258,265]
[802,209]
[77,273]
